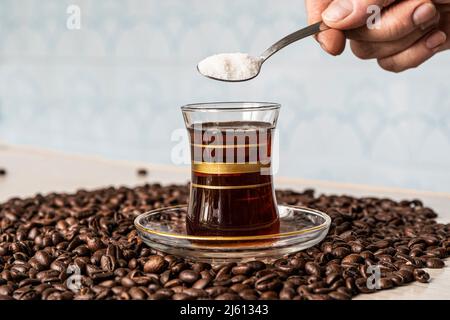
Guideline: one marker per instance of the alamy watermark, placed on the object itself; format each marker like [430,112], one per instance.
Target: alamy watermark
[73,21]
[374,19]
[73,282]
[373,281]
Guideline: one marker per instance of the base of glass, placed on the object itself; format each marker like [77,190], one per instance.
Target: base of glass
[165,230]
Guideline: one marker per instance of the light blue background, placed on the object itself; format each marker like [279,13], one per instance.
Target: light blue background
[114,88]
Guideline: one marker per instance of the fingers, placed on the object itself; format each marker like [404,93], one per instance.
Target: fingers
[415,55]
[349,14]
[332,41]
[379,50]
[398,21]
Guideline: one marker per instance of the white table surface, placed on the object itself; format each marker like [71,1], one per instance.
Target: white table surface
[32,171]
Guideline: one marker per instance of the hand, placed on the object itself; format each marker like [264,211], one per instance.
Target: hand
[411,31]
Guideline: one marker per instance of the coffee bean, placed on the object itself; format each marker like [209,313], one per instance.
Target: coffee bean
[256,265]
[332,277]
[386,283]
[137,294]
[182,296]
[341,252]
[142,172]
[228,296]
[107,263]
[201,283]
[287,294]
[155,264]
[43,258]
[248,294]
[353,258]
[421,275]
[313,268]
[196,293]
[242,270]
[338,295]
[269,295]
[217,290]
[189,276]
[406,275]
[238,287]
[435,263]
[173,283]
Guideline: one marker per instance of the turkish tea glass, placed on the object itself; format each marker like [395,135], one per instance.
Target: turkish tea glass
[231,192]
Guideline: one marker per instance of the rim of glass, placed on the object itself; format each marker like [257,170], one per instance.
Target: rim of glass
[230,106]
[322,226]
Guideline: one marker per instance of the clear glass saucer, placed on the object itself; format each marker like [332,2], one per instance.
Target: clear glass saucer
[164,229]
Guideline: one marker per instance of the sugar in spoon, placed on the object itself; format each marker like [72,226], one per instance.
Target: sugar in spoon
[237,67]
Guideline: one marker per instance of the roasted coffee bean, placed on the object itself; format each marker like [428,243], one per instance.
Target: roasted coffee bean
[353,258]
[142,172]
[269,295]
[238,287]
[287,294]
[173,283]
[256,265]
[337,295]
[421,275]
[201,283]
[43,258]
[242,270]
[182,296]
[406,275]
[189,276]
[238,278]
[107,263]
[313,268]
[228,296]
[155,264]
[196,293]
[386,283]
[341,252]
[137,294]
[435,263]
[218,290]
[248,294]
[332,277]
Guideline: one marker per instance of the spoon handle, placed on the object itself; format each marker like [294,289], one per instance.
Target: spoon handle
[295,36]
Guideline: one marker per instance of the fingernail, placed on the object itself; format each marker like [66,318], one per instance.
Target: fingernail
[424,13]
[436,39]
[338,10]
[431,23]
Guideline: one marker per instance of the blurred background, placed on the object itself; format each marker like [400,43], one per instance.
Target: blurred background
[114,87]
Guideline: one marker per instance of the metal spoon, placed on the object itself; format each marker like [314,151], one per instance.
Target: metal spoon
[293,37]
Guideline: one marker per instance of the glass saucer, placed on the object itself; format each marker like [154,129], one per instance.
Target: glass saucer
[164,229]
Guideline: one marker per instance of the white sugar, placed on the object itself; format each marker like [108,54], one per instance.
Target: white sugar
[230,66]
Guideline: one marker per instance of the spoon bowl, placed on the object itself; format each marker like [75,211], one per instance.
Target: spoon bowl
[293,37]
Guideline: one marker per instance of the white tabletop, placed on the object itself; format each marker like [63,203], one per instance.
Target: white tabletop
[32,171]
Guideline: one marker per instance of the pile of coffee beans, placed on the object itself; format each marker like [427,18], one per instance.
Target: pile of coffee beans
[84,246]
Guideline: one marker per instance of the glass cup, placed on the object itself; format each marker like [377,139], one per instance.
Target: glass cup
[232,191]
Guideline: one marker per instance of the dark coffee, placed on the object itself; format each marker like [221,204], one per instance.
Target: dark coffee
[232,191]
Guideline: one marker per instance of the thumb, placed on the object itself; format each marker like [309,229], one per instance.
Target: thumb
[350,14]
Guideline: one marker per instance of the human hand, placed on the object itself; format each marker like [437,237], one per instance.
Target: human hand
[410,33]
